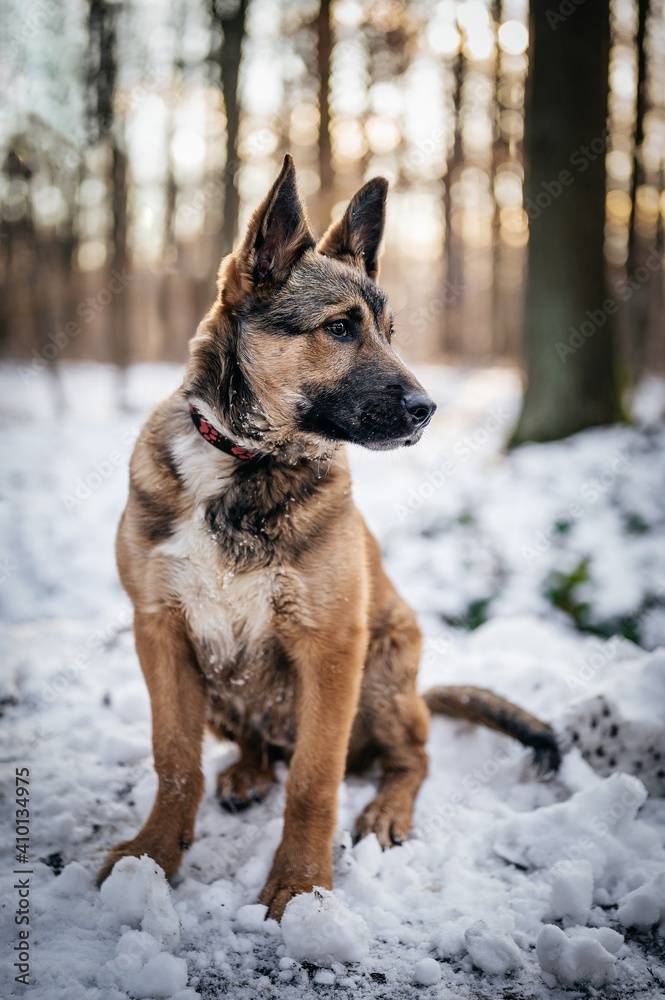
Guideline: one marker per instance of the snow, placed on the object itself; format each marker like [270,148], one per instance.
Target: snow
[318,927]
[427,972]
[254,917]
[491,951]
[509,885]
[142,971]
[574,960]
[644,906]
[572,891]
[137,894]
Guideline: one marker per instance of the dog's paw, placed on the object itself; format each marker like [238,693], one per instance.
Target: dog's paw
[276,894]
[276,901]
[390,822]
[123,850]
[283,884]
[168,858]
[241,785]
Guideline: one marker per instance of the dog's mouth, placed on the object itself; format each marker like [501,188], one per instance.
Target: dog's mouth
[389,444]
[378,442]
[368,434]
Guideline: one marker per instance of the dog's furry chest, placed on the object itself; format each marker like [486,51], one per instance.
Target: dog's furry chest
[233,618]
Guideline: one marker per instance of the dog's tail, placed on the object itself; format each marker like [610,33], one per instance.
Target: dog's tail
[487,709]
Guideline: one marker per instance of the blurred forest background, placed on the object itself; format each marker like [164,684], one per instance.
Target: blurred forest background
[137,136]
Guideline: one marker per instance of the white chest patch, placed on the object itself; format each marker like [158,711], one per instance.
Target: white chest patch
[225,610]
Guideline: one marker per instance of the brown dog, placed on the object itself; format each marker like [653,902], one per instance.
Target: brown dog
[261,605]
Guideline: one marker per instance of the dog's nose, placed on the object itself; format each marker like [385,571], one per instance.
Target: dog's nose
[419,406]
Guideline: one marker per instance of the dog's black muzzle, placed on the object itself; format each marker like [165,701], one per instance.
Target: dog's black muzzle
[367,413]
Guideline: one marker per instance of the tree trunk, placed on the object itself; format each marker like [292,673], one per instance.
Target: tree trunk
[640,110]
[639,248]
[102,74]
[452,317]
[569,339]
[324,54]
[231,19]
[120,334]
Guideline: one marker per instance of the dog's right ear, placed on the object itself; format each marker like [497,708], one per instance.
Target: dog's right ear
[277,234]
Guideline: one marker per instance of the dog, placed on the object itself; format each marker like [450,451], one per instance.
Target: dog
[262,609]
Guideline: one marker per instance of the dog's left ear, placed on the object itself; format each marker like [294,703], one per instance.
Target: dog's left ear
[356,238]
[278,232]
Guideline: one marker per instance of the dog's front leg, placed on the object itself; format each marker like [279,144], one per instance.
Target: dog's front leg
[178,702]
[329,673]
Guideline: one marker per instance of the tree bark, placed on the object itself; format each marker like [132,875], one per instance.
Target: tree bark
[324,54]
[102,71]
[637,312]
[231,19]
[569,337]
[452,317]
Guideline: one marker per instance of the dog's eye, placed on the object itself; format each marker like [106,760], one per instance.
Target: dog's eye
[340,329]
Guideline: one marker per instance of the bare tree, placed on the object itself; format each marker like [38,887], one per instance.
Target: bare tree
[637,313]
[452,318]
[569,336]
[324,55]
[229,16]
[102,71]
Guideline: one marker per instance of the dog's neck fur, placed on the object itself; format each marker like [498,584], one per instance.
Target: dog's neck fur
[264,508]
[216,384]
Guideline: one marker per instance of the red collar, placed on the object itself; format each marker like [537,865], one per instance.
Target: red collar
[214,437]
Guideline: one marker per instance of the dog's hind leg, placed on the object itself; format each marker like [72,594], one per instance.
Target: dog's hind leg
[179,703]
[249,779]
[396,723]
[404,765]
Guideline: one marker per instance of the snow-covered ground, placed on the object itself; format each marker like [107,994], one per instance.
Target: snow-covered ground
[509,886]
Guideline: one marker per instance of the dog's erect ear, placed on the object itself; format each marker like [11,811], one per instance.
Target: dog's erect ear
[278,231]
[357,236]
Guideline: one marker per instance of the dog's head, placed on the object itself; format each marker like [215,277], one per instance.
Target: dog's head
[296,350]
